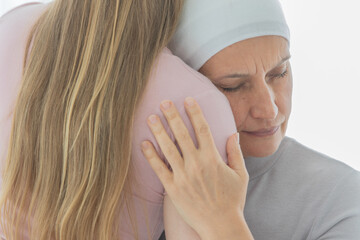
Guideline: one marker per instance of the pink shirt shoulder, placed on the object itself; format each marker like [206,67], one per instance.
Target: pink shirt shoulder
[171,79]
[15,27]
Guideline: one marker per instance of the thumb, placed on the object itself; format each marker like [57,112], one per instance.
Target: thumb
[235,157]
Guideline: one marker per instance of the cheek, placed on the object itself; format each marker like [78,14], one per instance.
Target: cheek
[283,93]
[239,106]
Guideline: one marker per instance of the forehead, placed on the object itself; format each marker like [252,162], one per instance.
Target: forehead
[247,55]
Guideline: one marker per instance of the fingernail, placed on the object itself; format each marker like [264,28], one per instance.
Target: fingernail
[153,119]
[166,104]
[189,101]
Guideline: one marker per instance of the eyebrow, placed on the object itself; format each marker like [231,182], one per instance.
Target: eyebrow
[240,75]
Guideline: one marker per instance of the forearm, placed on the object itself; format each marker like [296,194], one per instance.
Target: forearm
[234,228]
[175,226]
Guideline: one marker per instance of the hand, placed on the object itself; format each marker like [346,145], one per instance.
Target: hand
[206,192]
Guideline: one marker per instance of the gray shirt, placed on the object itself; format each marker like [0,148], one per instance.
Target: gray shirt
[298,193]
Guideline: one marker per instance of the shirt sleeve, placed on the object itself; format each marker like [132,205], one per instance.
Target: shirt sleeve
[339,217]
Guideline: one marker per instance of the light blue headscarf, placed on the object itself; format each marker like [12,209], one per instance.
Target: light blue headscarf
[208,26]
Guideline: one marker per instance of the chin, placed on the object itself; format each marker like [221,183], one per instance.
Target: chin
[260,146]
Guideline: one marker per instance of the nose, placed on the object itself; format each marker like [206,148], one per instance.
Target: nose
[263,106]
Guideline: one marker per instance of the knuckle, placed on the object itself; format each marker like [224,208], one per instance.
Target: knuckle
[214,158]
[196,168]
[192,151]
[204,129]
[209,155]
[182,181]
[170,150]
[182,135]
[245,175]
[159,170]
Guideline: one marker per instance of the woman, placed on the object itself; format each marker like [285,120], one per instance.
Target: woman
[79,117]
[294,192]
[209,99]
[69,154]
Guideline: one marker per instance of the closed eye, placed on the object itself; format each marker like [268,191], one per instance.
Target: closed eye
[281,75]
[275,76]
[233,89]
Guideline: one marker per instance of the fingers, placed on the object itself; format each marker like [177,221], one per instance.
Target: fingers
[235,157]
[178,127]
[166,144]
[156,163]
[201,127]
[181,133]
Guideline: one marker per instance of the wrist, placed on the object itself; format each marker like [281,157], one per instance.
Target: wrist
[232,228]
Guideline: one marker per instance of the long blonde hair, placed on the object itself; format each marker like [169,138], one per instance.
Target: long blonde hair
[68,163]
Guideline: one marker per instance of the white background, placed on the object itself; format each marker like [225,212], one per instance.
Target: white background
[325,49]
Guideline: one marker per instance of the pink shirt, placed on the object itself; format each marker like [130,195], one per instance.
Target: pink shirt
[171,79]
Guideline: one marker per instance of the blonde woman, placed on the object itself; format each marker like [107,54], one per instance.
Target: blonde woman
[78,81]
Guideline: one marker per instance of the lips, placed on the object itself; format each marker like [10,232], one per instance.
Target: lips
[263,132]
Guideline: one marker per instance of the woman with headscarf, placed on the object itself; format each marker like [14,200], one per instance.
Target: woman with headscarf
[293,192]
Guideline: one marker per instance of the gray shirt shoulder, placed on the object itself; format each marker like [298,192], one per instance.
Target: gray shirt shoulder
[299,193]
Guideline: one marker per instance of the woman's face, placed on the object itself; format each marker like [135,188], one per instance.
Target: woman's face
[255,76]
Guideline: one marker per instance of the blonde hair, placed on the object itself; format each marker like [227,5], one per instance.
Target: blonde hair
[69,159]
